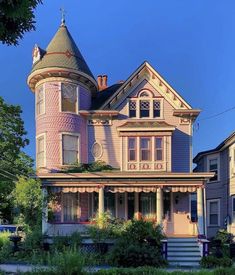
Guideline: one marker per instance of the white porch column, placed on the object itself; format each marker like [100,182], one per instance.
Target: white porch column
[44,210]
[101,200]
[159,205]
[137,206]
[200,215]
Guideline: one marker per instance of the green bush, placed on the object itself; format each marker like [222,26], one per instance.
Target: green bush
[135,246]
[212,262]
[4,238]
[96,166]
[68,262]
[224,236]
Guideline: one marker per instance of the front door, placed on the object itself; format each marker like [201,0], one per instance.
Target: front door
[121,202]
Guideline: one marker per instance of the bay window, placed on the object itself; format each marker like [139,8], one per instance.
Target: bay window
[70,145]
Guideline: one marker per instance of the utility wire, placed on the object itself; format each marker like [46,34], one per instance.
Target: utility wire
[218,114]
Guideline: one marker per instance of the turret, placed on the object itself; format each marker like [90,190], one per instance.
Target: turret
[63,85]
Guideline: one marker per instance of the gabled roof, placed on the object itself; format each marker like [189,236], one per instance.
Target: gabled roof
[145,70]
[102,96]
[62,52]
[224,144]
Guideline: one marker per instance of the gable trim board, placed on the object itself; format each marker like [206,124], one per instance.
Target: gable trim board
[155,79]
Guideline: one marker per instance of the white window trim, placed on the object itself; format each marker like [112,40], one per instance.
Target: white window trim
[60,100]
[211,157]
[152,152]
[232,160]
[208,212]
[92,148]
[44,100]
[150,99]
[232,219]
[61,147]
[44,158]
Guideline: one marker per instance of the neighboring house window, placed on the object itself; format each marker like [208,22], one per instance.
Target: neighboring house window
[158,149]
[145,106]
[70,149]
[233,209]
[213,167]
[132,108]
[41,151]
[193,207]
[70,207]
[131,149]
[68,98]
[145,149]
[213,207]
[40,101]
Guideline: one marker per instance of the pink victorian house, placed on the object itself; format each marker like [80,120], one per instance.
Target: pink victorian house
[141,127]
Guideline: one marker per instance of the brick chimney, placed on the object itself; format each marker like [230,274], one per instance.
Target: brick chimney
[102,81]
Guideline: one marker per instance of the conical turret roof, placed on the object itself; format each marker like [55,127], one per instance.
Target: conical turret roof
[62,52]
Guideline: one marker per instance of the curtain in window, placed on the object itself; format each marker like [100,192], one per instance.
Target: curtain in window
[70,149]
[70,207]
[148,204]
[69,97]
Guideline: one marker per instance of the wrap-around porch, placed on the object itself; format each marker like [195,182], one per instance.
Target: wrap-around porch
[180,209]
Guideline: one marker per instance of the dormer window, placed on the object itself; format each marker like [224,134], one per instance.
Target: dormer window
[69,98]
[145,106]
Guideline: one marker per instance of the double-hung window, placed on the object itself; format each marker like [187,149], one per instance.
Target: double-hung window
[213,167]
[40,101]
[69,97]
[70,145]
[145,149]
[213,208]
[158,149]
[70,207]
[40,151]
[131,149]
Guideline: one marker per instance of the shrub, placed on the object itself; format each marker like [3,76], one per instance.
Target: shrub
[96,166]
[139,245]
[69,262]
[212,261]
[4,238]
[224,236]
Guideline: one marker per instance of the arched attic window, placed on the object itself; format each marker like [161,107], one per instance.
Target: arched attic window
[145,106]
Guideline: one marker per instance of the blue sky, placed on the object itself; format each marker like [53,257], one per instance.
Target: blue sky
[190,43]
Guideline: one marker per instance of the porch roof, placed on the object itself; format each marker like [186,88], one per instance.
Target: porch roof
[124,179]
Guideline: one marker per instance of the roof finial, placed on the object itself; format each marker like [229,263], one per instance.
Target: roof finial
[62,16]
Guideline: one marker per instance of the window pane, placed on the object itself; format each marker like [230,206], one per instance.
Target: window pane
[148,203]
[131,143]
[144,108]
[156,108]
[145,155]
[214,219]
[70,207]
[132,108]
[145,143]
[213,207]
[158,142]
[132,155]
[159,155]
[109,203]
[70,149]
[69,97]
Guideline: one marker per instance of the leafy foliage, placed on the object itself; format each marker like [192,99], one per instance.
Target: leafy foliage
[96,166]
[28,200]
[13,162]
[16,18]
[212,262]
[139,245]
[224,236]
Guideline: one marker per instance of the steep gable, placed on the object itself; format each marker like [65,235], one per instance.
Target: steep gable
[148,73]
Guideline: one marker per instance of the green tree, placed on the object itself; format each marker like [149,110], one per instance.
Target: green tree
[13,162]
[28,200]
[16,18]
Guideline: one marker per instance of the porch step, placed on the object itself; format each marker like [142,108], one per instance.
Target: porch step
[183,252]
